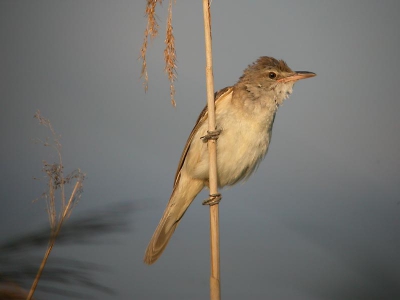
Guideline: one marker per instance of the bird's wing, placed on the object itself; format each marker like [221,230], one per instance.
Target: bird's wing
[202,118]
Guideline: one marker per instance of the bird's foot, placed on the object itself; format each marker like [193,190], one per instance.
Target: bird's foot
[211,135]
[214,199]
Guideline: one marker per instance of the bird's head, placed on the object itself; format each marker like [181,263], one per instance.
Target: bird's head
[270,78]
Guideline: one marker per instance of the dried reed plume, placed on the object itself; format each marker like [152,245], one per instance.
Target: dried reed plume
[151,32]
[56,181]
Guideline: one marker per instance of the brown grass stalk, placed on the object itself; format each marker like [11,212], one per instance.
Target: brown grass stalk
[215,287]
[56,181]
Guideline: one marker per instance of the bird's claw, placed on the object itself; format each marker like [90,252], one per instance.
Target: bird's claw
[211,135]
[213,200]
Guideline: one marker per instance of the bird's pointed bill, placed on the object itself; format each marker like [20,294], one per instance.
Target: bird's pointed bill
[297,76]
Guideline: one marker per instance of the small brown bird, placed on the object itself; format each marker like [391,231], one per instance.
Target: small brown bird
[245,113]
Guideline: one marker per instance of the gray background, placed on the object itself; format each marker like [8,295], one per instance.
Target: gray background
[318,220]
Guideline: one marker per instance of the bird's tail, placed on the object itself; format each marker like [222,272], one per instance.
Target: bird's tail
[182,196]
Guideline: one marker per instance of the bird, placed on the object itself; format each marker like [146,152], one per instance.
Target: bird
[245,113]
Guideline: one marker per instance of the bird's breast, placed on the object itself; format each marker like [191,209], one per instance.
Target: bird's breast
[241,146]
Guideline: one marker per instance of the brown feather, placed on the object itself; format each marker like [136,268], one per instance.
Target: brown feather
[200,120]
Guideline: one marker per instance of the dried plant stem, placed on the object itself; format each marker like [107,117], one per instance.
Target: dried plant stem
[55,231]
[215,287]
[56,181]
[41,268]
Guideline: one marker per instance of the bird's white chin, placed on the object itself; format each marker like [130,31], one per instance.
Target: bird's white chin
[284,91]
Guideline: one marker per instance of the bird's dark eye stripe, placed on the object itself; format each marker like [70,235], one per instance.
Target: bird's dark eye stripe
[272,75]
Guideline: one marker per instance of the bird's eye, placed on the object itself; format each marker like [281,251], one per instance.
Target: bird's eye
[272,75]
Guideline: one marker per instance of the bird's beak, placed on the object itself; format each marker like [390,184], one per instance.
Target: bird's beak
[297,76]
